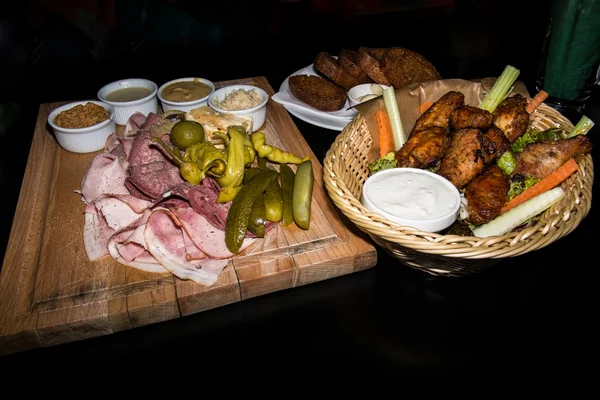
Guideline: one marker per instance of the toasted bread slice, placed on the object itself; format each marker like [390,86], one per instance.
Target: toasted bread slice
[403,67]
[346,60]
[368,58]
[329,67]
[318,92]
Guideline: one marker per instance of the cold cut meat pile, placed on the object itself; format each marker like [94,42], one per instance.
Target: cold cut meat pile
[140,212]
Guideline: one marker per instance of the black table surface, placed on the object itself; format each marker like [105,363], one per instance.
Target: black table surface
[531,315]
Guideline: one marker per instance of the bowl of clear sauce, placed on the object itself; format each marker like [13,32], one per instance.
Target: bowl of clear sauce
[129,96]
[412,197]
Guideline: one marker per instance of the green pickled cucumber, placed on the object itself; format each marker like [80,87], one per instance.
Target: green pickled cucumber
[256,223]
[287,190]
[236,224]
[302,195]
[250,173]
[273,202]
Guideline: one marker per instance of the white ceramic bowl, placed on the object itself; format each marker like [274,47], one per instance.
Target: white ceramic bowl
[125,109]
[361,90]
[412,197]
[188,105]
[258,113]
[83,140]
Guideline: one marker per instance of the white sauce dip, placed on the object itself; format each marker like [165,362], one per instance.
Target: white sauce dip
[412,195]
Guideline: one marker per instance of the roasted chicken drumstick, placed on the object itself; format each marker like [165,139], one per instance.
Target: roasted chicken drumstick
[541,158]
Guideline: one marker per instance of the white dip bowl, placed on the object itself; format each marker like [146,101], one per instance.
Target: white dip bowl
[125,109]
[185,106]
[83,140]
[356,93]
[412,197]
[257,113]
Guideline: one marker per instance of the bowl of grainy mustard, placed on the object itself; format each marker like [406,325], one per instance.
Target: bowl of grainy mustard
[241,101]
[82,126]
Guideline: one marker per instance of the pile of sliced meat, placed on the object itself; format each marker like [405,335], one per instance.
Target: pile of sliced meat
[140,211]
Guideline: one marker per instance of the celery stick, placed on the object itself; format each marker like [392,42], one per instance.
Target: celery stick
[391,106]
[583,127]
[501,89]
[512,218]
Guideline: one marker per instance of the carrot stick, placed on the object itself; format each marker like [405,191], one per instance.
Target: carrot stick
[536,101]
[554,179]
[425,106]
[386,137]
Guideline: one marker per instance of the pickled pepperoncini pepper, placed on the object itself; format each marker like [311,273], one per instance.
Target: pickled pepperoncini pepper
[272,153]
[208,157]
[231,181]
[198,160]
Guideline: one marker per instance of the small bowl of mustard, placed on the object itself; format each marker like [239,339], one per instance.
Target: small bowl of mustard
[185,94]
[83,126]
[129,96]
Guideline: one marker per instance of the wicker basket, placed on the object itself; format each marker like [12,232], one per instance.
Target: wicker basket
[346,169]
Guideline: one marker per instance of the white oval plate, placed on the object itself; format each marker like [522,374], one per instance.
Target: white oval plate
[336,120]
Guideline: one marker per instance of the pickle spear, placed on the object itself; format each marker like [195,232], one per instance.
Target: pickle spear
[287,189]
[256,223]
[236,224]
[273,202]
[302,195]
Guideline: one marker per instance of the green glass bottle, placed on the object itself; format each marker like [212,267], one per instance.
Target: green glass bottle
[570,59]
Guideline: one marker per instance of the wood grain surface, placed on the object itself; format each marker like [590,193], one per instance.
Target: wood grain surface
[50,293]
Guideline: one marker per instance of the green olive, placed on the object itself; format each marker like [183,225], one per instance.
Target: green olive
[186,133]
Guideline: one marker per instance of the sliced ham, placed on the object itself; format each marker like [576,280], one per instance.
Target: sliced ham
[106,175]
[208,238]
[128,247]
[120,211]
[165,241]
[106,215]
[96,233]
[134,124]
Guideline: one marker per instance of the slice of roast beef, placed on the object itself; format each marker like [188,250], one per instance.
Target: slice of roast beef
[151,173]
[153,185]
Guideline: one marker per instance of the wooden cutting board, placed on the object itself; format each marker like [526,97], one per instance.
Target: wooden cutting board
[50,293]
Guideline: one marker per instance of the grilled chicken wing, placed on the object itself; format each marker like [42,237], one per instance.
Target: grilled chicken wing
[465,158]
[495,143]
[471,117]
[512,117]
[423,148]
[486,194]
[541,158]
[439,112]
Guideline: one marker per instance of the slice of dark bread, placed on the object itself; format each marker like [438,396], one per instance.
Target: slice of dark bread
[402,67]
[347,60]
[317,92]
[368,58]
[329,67]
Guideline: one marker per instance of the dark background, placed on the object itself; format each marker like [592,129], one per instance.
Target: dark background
[534,316]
